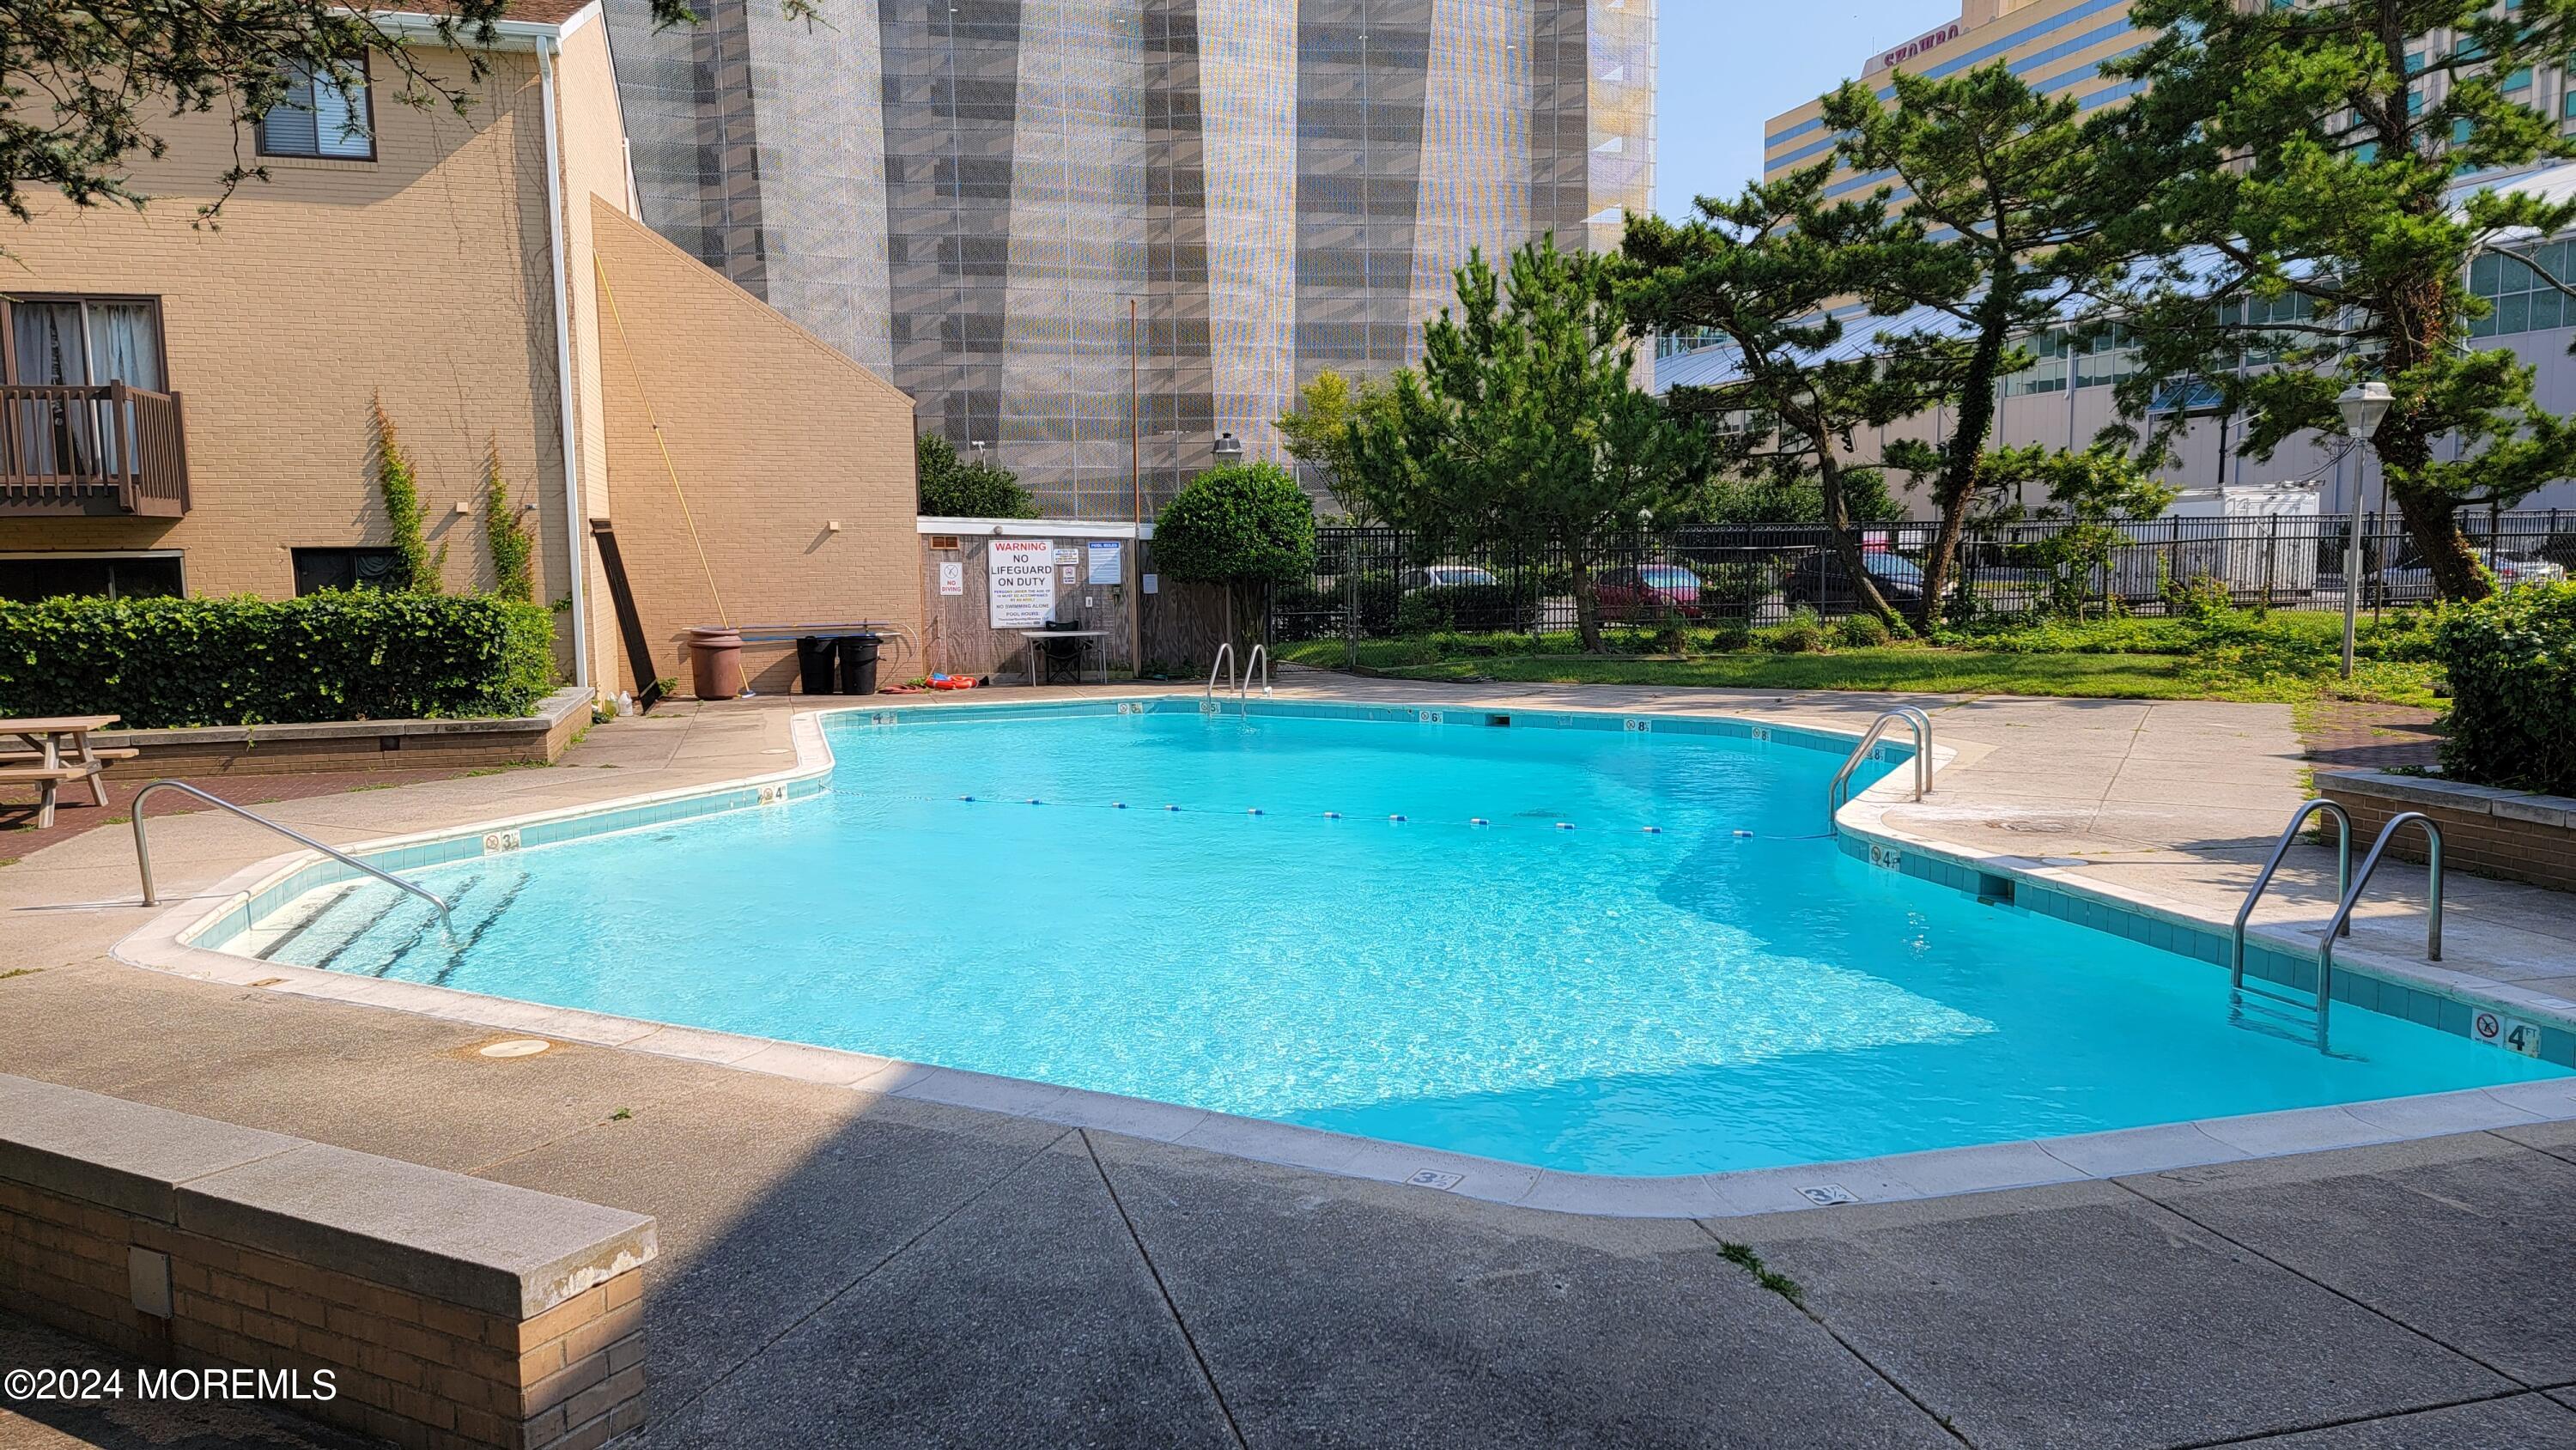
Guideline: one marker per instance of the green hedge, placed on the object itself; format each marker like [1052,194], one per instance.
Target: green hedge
[2512,664]
[1468,608]
[338,655]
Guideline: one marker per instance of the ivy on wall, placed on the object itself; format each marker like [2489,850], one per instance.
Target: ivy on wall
[419,571]
[503,533]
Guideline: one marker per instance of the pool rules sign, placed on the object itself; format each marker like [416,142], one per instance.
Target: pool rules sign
[1020,575]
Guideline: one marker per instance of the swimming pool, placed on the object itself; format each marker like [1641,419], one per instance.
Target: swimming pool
[1603,945]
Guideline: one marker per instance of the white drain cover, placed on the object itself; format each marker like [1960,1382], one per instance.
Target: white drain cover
[517,1047]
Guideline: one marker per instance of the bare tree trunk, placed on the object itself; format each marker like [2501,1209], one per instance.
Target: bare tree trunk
[2405,446]
[2433,522]
[1957,487]
[1587,605]
[1846,543]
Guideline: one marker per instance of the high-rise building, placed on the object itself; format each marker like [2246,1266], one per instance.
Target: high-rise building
[2055,45]
[2064,398]
[971,194]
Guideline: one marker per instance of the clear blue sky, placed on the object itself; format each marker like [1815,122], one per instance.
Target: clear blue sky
[1727,66]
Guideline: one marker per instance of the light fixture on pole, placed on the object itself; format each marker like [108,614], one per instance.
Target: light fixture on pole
[2362,405]
[1229,447]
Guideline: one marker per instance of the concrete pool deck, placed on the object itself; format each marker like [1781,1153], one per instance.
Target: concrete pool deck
[848,1267]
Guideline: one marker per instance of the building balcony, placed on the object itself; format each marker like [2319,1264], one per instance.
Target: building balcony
[102,449]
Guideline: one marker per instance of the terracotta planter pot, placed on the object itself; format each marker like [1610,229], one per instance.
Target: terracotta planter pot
[715,662]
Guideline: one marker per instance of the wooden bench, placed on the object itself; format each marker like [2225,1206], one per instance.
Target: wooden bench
[37,757]
[50,778]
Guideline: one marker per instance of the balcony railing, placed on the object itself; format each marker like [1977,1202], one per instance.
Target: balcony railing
[96,449]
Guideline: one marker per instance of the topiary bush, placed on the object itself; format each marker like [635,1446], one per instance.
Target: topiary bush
[2512,665]
[1242,525]
[337,655]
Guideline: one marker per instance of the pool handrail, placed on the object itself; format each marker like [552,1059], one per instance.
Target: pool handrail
[143,848]
[2263,882]
[1224,661]
[1261,659]
[1918,724]
[2361,881]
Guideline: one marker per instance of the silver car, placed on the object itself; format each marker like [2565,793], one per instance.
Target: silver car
[2412,580]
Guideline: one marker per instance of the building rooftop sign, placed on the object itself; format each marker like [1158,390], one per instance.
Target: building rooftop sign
[1930,40]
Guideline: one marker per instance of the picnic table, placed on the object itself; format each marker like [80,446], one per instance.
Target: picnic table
[51,751]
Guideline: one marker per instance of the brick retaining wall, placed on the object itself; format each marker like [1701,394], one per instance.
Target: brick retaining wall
[2514,835]
[357,745]
[440,1310]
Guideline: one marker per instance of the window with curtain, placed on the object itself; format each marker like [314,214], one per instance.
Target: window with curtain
[321,116]
[72,341]
[79,342]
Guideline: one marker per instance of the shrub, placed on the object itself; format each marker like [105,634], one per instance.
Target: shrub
[2410,636]
[1861,631]
[1728,636]
[954,490]
[1803,633]
[338,655]
[2512,664]
[1479,608]
[2200,598]
[1311,609]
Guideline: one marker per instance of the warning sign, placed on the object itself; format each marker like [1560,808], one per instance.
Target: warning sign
[1020,577]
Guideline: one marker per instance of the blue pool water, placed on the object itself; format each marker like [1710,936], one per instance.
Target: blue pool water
[1728,990]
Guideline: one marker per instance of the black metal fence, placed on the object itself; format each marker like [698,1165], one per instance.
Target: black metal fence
[1385,583]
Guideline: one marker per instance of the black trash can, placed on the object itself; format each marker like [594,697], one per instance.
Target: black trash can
[814,654]
[859,663]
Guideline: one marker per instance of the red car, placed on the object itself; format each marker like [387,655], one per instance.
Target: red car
[1650,591]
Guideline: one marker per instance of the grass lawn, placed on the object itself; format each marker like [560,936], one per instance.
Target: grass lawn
[1929,669]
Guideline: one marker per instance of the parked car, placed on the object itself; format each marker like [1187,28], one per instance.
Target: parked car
[2409,579]
[1818,580]
[1445,576]
[1648,591]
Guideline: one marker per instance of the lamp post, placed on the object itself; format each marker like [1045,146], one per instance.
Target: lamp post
[2362,405]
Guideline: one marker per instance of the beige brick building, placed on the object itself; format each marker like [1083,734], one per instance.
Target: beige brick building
[189,407]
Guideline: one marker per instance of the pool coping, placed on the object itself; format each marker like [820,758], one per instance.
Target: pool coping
[167,943]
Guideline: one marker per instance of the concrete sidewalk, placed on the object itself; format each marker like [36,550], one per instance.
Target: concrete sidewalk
[848,1269]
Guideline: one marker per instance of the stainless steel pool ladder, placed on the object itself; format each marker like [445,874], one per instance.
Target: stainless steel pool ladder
[1224,664]
[1260,661]
[2348,889]
[143,848]
[1920,724]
